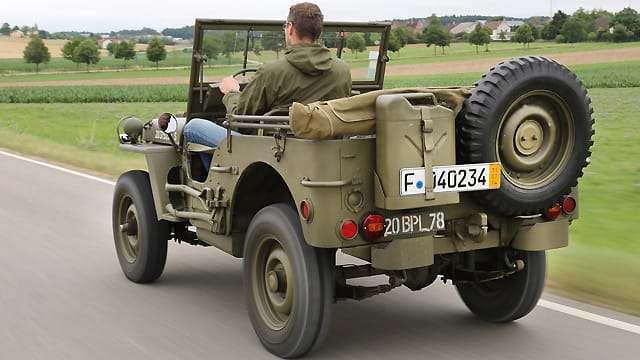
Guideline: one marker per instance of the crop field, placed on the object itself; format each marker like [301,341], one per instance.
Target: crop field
[69,119]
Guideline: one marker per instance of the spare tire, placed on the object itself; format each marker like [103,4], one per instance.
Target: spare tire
[533,116]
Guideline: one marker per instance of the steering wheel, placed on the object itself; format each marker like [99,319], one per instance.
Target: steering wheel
[214,95]
[243,72]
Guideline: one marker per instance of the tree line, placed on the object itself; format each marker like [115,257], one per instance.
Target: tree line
[86,51]
[185,32]
[582,25]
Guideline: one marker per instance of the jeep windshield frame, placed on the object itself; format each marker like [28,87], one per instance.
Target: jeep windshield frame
[367,71]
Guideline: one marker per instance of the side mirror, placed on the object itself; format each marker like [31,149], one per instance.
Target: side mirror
[168,123]
[172,125]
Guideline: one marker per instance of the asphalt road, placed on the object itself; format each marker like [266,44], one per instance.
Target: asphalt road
[63,296]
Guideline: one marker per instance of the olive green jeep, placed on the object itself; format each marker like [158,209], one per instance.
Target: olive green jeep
[468,184]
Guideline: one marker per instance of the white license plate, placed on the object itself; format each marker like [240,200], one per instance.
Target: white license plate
[412,224]
[468,177]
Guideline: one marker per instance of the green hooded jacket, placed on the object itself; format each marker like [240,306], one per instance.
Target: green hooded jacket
[307,73]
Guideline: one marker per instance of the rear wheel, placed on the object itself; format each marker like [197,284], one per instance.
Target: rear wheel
[533,116]
[509,298]
[288,284]
[140,239]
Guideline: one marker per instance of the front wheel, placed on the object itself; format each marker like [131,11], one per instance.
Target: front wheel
[509,298]
[288,284]
[140,239]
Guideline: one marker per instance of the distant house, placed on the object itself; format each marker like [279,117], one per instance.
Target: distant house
[499,27]
[416,25]
[104,43]
[465,27]
[514,24]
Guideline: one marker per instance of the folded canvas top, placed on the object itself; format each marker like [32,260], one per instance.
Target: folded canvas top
[356,115]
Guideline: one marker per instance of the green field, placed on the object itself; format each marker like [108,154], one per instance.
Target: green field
[19,70]
[600,266]
[610,75]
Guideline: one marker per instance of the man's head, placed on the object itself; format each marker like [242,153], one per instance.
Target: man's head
[306,19]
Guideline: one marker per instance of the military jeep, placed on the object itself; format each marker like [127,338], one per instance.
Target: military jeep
[468,184]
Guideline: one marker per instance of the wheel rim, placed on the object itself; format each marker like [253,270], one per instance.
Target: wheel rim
[535,139]
[128,236]
[273,283]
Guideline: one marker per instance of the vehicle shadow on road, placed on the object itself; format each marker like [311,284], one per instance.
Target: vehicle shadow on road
[401,324]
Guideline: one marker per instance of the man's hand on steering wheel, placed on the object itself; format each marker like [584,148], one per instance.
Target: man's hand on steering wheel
[230,83]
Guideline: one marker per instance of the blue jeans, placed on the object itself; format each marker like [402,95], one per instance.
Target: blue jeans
[205,132]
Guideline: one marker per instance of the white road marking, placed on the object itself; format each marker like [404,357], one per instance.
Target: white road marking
[585,315]
[68,171]
[603,320]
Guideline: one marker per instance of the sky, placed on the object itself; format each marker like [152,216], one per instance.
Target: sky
[114,15]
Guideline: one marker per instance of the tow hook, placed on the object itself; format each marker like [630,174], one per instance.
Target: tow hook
[517,265]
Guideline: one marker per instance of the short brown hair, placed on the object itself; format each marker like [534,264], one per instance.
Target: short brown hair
[307,19]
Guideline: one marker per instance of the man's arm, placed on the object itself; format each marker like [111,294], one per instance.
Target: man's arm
[253,100]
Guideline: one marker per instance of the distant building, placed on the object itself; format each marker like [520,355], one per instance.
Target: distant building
[498,28]
[416,25]
[465,27]
[104,43]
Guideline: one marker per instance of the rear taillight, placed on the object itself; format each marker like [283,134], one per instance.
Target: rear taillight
[568,206]
[372,227]
[553,212]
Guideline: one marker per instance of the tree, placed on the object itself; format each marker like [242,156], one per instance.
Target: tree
[394,44]
[111,48]
[404,34]
[36,52]
[524,35]
[69,50]
[87,53]
[211,47]
[356,43]
[125,50]
[627,17]
[183,32]
[5,29]
[274,41]
[573,31]
[156,51]
[481,35]
[551,30]
[229,44]
[620,33]
[436,34]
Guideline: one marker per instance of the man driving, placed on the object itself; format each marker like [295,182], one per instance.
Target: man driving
[305,74]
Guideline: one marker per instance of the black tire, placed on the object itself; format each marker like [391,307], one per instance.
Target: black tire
[533,116]
[140,239]
[289,285]
[509,298]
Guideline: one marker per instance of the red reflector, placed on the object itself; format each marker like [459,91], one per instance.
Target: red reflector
[349,229]
[569,205]
[372,227]
[553,212]
[304,210]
